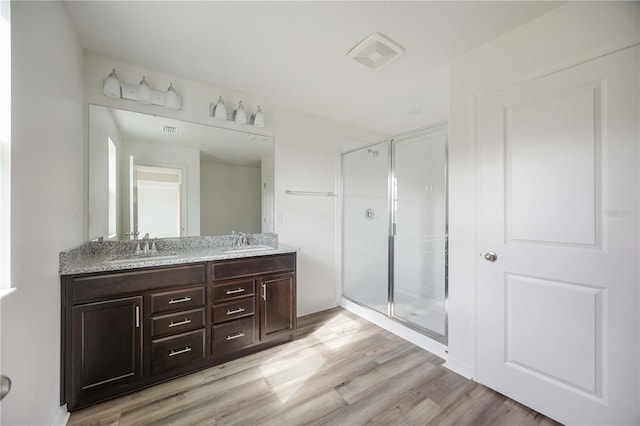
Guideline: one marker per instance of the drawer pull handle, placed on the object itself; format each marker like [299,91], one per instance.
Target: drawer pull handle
[184,299]
[236,291]
[184,350]
[235,336]
[178,323]
[234,311]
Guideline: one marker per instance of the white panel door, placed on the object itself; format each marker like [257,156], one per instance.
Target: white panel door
[558,184]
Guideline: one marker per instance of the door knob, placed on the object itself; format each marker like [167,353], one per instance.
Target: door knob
[490,256]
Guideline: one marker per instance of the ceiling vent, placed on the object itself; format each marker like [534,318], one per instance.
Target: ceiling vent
[375,51]
[170,130]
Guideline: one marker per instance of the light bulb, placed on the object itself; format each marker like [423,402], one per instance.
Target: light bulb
[111,86]
[240,114]
[144,93]
[258,118]
[171,100]
[221,110]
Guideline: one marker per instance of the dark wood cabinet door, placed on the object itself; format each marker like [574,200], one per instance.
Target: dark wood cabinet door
[107,346]
[277,305]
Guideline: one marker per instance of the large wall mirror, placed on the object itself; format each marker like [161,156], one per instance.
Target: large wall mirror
[170,178]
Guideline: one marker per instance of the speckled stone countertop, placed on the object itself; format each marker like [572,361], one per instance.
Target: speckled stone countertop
[104,256]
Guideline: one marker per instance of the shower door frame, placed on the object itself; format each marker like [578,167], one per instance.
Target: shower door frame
[436,127]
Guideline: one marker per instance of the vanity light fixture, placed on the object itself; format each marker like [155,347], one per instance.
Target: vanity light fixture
[142,93]
[239,115]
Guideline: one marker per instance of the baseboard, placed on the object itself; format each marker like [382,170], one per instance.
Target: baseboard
[62,417]
[461,368]
[396,328]
[302,311]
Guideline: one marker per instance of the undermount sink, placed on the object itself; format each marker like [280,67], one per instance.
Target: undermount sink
[243,249]
[138,259]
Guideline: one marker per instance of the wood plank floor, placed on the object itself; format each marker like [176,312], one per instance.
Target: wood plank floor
[339,370]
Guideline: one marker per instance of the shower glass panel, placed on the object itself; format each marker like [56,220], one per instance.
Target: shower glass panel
[420,217]
[365,273]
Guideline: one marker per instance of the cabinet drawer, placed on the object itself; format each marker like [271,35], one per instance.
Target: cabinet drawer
[253,266]
[109,284]
[177,351]
[177,300]
[233,310]
[233,290]
[231,336]
[177,323]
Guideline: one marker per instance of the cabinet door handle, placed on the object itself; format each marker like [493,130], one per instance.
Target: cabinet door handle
[177,323]
[264,292]
[137,316]
[234,311]
[235,291]
[184,350]
[184,299]
[235,336]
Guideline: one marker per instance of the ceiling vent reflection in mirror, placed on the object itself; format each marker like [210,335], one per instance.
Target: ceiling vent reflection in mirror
[171,130]
[141,93]
[375,51]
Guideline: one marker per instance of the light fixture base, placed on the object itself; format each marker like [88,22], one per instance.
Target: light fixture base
[130,91]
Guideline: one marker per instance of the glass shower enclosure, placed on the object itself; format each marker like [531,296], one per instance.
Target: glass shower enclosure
[395,229]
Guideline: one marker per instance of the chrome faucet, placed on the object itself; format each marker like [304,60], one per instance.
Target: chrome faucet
[145,246]
[145,240]
[239,239]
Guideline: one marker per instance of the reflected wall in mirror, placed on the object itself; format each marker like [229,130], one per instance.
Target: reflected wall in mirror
[169,178]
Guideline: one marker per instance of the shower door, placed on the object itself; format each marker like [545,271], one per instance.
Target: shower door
[420,218]
[395,229]
[365,270]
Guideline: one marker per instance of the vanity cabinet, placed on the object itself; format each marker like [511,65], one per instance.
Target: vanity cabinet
[123,331]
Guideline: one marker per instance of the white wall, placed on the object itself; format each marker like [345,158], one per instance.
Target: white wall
[568,35]
[230,199]
[47,204]
[305,159]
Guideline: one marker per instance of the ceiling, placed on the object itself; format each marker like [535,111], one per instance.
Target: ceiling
[293,54]
[215,144]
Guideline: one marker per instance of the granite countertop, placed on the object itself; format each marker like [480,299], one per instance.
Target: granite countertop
[119,255]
